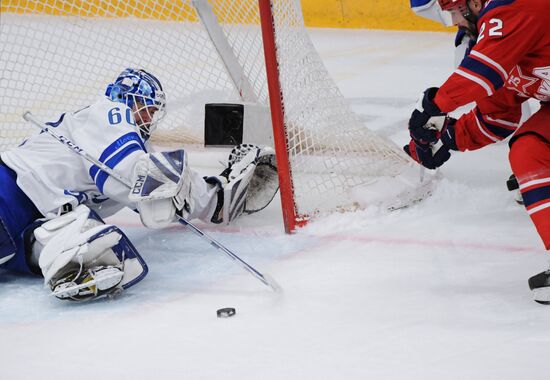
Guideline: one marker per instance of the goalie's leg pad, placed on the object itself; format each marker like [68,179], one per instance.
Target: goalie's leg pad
[92,283]
[76,247]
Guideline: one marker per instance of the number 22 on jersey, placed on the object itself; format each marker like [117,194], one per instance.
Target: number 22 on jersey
[495,29]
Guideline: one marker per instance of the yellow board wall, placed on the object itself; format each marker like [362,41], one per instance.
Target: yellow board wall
[359,14]
[365,14]
[172,10]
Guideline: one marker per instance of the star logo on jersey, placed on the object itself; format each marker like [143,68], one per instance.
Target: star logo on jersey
[520,82]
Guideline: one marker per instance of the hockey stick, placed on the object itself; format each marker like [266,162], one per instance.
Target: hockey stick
[266,280]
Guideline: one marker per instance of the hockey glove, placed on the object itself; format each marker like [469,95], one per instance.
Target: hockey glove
[249,182]
[432,156]
[427,119]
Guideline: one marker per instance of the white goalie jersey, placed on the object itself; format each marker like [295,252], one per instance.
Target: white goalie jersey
[53,176]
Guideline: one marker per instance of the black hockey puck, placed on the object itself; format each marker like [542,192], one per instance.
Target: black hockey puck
[226,312]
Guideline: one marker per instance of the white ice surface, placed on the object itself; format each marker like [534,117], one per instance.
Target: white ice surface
[434,291]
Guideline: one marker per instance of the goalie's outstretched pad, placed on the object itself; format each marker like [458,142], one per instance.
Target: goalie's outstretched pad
[78,285]
[112,273]
[82,258]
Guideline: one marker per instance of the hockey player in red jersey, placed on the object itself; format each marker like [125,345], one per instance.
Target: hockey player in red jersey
[509,63]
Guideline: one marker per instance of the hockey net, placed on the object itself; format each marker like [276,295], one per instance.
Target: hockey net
[58,55]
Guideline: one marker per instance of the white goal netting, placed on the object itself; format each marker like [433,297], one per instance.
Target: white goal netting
[59,55]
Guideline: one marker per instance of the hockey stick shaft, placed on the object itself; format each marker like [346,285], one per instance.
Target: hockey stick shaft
[81,152]
[263,278]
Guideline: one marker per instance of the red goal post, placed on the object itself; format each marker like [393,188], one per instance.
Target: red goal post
[277,118]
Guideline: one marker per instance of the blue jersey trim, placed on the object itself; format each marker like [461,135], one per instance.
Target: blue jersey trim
[419,3]
[494,129]
[459,37]
[130,142]
[100,180]
[100,177]
[494,4]
[483,70]
[115,159]
[536,195]
[55,124]
[132,136]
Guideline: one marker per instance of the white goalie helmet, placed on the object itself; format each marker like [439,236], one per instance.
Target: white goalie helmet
[143,93]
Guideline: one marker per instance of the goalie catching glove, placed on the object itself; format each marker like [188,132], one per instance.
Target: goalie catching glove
[82,258]
[248,184]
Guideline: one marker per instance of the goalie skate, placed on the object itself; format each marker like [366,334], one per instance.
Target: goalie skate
[90,284]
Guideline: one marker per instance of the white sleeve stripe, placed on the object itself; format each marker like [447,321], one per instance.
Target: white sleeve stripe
[476,80]
[503,122]
[490,61]
[492,138]
[538,208]
[533,182]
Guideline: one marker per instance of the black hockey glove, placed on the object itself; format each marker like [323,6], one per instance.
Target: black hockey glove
[432,156]
[427,119]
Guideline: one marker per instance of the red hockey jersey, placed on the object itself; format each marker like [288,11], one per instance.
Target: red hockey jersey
[512,51]
[492,120]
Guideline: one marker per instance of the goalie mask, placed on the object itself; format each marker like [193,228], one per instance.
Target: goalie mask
[143,93]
